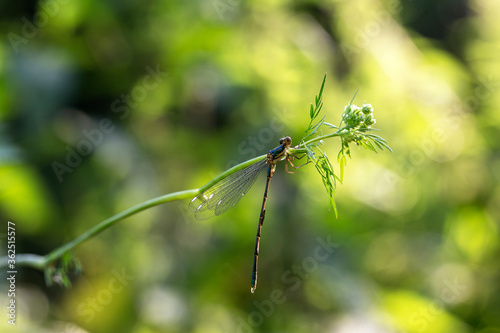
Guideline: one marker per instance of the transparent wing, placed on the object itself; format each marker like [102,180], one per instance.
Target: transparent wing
[226,193]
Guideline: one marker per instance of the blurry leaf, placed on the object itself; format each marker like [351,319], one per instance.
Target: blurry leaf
[367,144]
[24,199]
[475,234]
[412,313]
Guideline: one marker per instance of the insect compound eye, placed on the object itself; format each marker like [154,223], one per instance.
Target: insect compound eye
[281,141]
[288,140]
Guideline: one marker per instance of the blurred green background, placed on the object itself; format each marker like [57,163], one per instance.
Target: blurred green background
[182,90]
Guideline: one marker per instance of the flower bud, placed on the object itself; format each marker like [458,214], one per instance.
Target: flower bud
[367,108]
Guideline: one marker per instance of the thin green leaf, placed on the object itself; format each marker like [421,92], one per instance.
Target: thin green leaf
[331,193]
[337,178]
[353,97]
[314,129]
[330,125]
[310,153]
[333,204]
[347,150]
[380,140]
[378,145]
[322,87]
[65,281]
[48,273]
[386,146]
[318,109]
[328,176]
[375,137]
[368,145]
[343,163]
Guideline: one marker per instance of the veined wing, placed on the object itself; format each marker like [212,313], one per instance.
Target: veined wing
[226,193]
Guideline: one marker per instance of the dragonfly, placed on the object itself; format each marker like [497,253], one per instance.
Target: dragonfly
[226,193]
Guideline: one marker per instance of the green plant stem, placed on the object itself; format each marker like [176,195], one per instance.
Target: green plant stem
[31,260]
[301,148]
[322,137]
[57,253]
[41,262]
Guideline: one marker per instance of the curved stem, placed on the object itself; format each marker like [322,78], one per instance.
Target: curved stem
[28,259]
[40,262]
[57,253]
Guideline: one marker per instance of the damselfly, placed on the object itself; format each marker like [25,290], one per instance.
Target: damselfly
[224,194]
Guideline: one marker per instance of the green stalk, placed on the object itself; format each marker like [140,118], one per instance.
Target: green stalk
[322,137]
[316,139]
[40,262]
[58,253]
